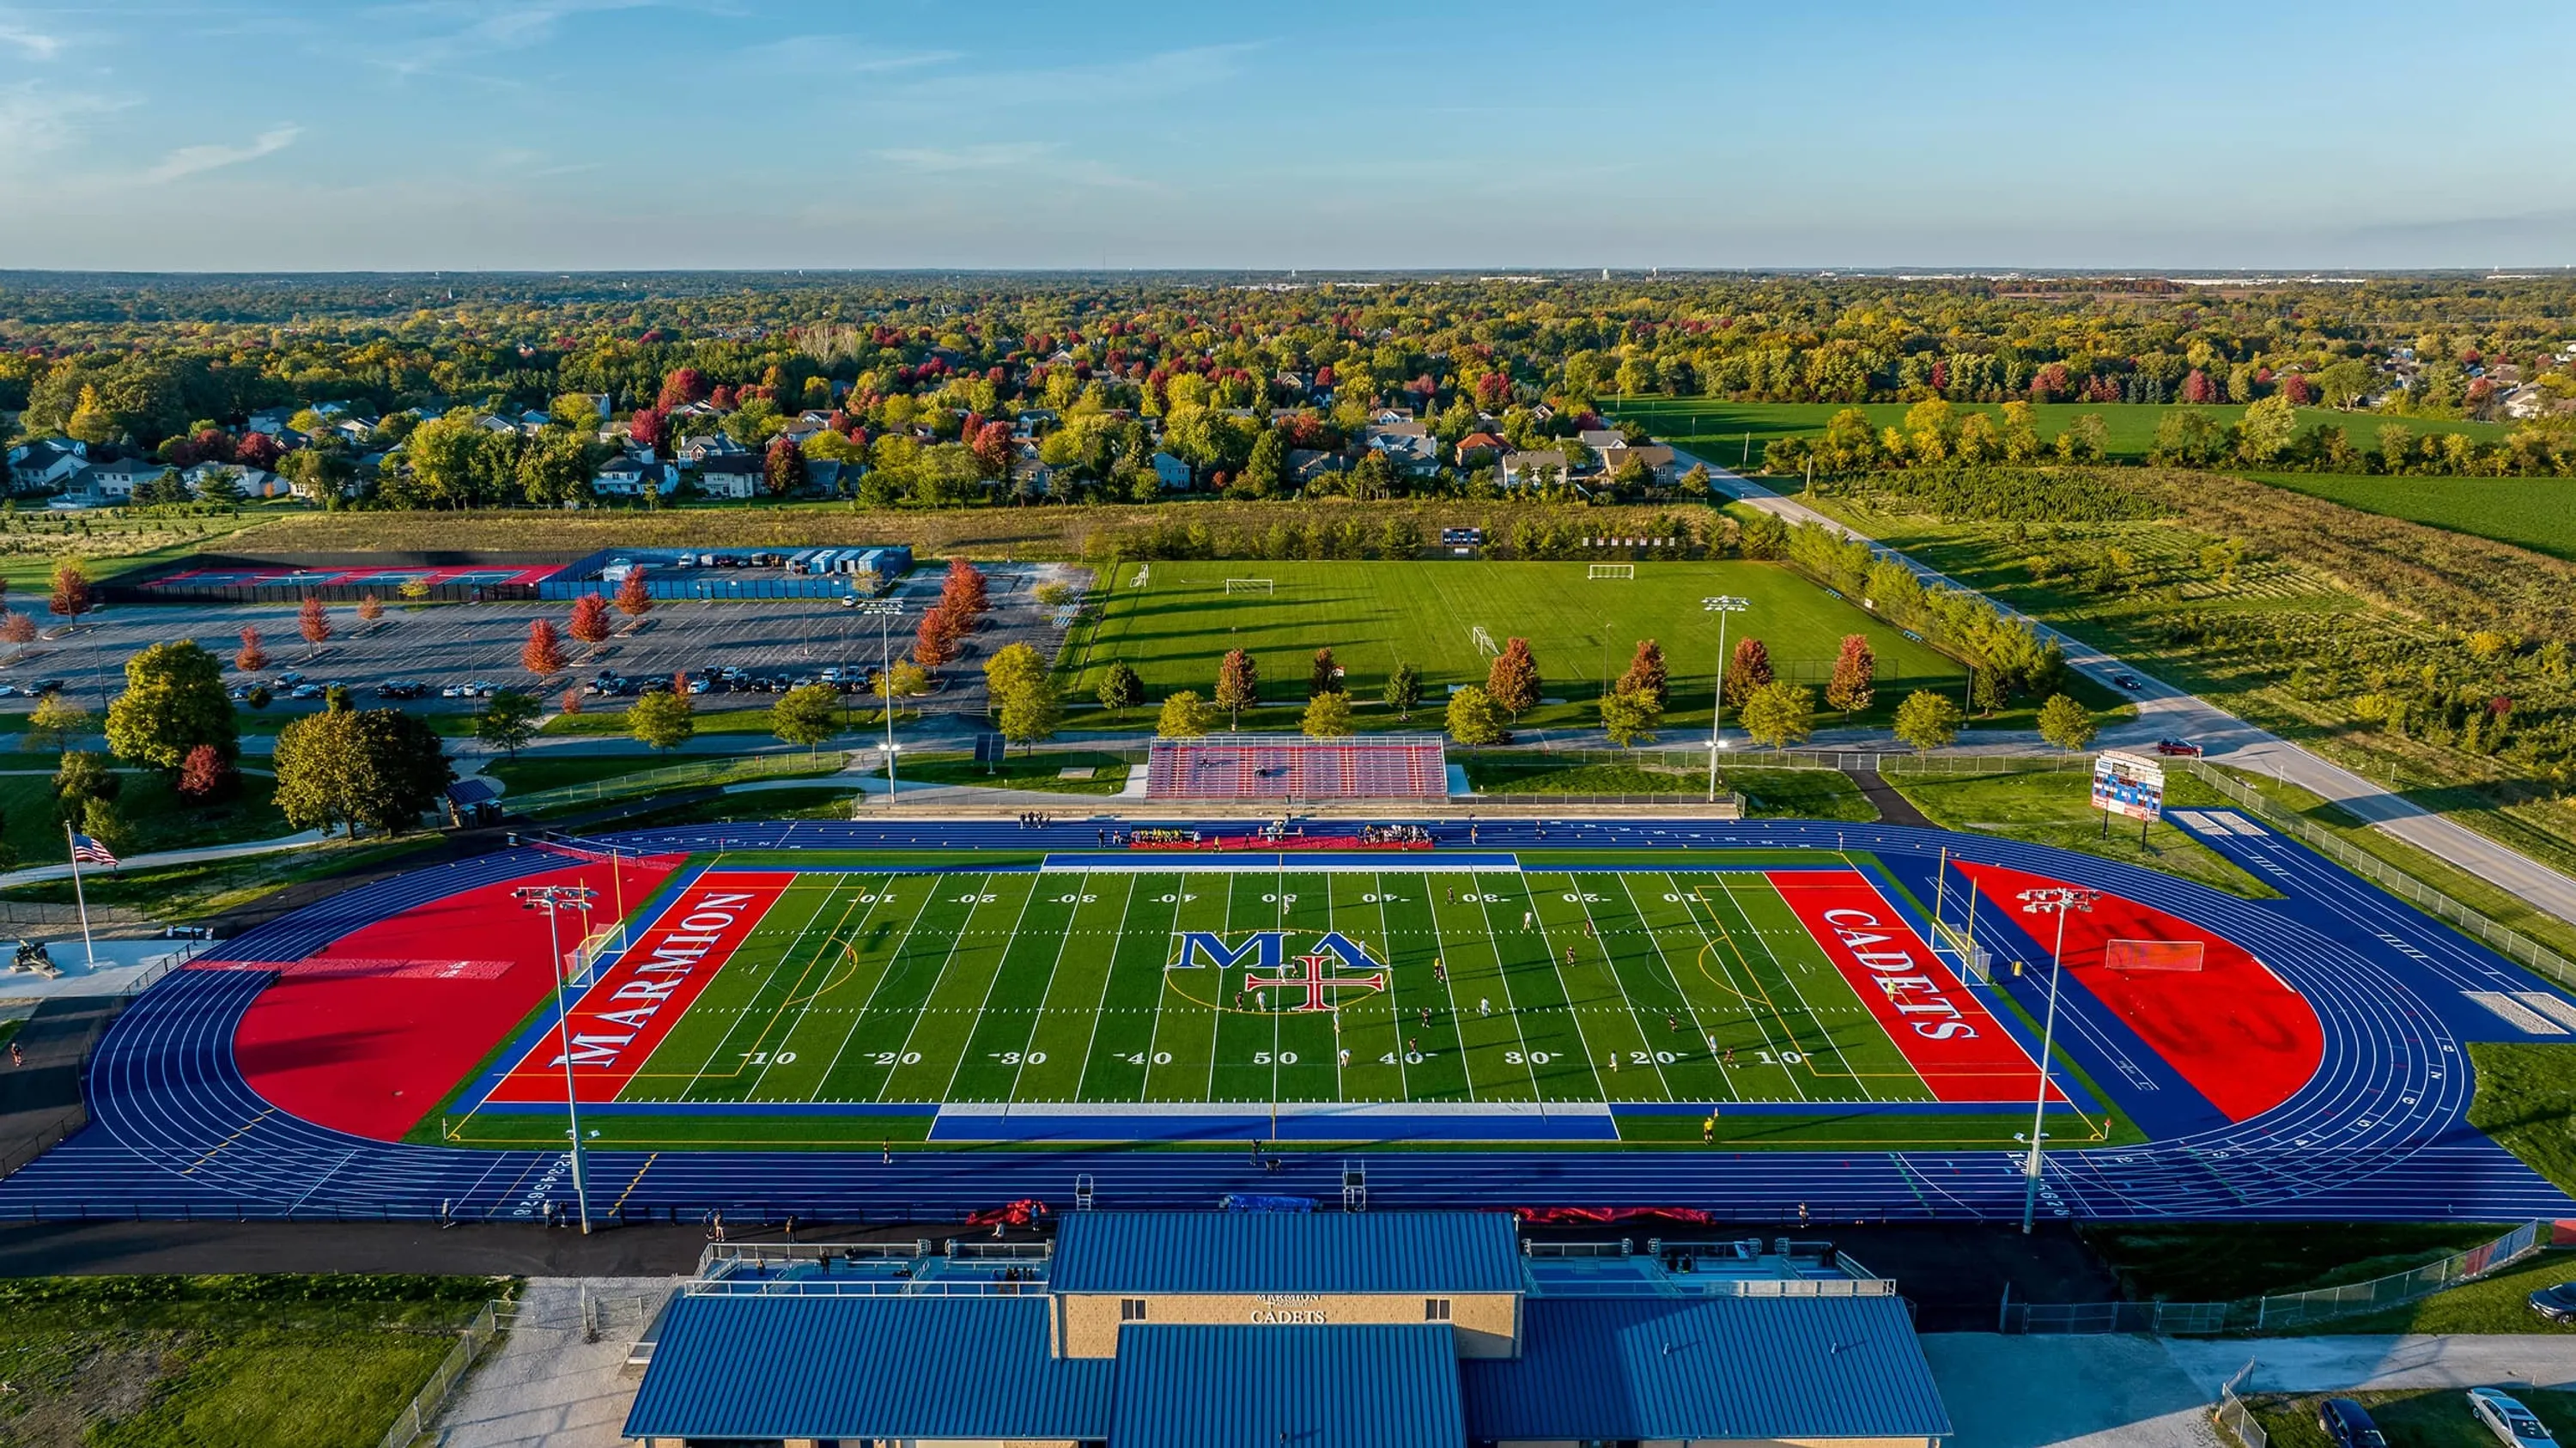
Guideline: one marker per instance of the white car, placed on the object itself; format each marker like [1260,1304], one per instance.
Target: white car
[478,689]
[2508,1419]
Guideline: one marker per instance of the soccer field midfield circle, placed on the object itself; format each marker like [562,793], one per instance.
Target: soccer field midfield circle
[1248,986]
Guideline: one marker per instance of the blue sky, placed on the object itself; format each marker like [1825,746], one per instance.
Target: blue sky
[560,134]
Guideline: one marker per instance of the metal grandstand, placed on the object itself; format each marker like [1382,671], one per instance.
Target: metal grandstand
[1294,767]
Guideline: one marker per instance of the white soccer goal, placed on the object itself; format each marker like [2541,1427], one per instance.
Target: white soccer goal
[1614,570]
[1249,585]
[1483,641]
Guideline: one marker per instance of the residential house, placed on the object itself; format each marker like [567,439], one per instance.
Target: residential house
[46,462]
[271,421]
[1308,465]
[1478,447]
[1033,422]
[1390,416]
[1657,460]
[599,400]
[1602,439]
[107,484]
[1408,445]
[493,424]
[700,411]
[628,474]
[356,431]
[1172,472]
[249,483]
[736,474]
[1533,469]
[823,477]
[713,445]
[800,430]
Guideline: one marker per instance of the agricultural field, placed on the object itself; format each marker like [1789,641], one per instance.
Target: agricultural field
[1732,434]
[1171,621]
[2534,513]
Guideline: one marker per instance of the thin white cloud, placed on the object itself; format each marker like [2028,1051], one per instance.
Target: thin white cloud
[835,55]
[33,42]
[1146,76]
[34,119]
[462,30]
[190,160]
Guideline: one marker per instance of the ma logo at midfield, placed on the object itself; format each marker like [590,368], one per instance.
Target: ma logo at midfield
[1337,963]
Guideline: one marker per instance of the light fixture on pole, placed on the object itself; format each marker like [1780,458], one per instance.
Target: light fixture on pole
[1722,605]
[2060,901]
[885,610]
[554,900]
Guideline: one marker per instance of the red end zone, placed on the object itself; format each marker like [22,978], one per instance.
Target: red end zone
[1948,1036]
[620,1019]
[372,1032]
[2232,1029]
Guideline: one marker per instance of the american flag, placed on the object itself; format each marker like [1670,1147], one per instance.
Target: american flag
[91,852]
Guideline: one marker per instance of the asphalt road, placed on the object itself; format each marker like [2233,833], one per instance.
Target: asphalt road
[2166,711]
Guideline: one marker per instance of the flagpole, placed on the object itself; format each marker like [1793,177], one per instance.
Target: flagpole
[89,952]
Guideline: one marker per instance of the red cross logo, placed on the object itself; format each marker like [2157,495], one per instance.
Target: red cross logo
[1318,985]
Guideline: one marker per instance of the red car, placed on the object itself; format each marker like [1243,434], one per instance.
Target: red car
[2178,746]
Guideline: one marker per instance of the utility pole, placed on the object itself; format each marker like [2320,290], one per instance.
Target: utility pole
[886,611]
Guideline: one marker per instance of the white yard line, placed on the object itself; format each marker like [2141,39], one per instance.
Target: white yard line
[975,1027]
[1849,1071]
[783,957]
[1063,943]
[860,1016]
[1108,973]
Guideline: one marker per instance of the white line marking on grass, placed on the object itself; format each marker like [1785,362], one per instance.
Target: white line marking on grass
[1565,989]
[965,927]
[1100,1006]
[1037,1015]
[1755,1016]
[1850,1072]
[783,956]
[1511,1008]
[859,1012]
[949,1092]
[824,959]
[1610,968]
[1700,1033]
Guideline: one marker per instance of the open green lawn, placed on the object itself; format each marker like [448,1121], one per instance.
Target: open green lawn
[245,1362]
[1817,794]
[1043,772]
[2534,513]
[210,887]
[2055,808]
[155,816]
[2412,1418]
[2526,1100]
[1174,629]
[2490,1304]
[1716,430]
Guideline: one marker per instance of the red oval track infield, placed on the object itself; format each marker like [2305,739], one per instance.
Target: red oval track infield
[2233,1029]
[373,1032]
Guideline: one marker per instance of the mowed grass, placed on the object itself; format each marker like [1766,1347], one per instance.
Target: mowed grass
[1717,430]
[2412,1418]
[2534,513]
[2055,808]
[1372,616]
[871,988]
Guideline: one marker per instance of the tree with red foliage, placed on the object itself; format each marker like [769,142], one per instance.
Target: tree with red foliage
[646,427]
[570,703]
[934,642]
[2050,383]
[212,445]
[1513,680]
[963,588]
[258,450]
[1493,390]
[252,656]
[723,398]
[205,775]
[1749,670]
[2198,388]
[17,628]
[2296,387]
[370,608]
[1648,674]
[590,619]
[679,386]
[783,467]
[634,598]
[1855,681]
[314,622]
[544,652]
[991,445]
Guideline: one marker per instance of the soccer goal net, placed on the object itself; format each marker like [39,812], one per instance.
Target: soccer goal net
[1614,570]
[1248,585]
[1483,641]
[2154,954]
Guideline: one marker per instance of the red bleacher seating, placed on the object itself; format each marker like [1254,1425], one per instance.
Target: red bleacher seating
[1291,766]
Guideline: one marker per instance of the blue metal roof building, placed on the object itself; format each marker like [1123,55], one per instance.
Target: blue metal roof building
[1710,1367]
[1325,1252]
[1258,1387]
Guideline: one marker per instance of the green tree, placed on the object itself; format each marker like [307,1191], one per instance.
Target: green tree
[56,721]
[2066,724]
[2268,429]
[345,767]
[1267,470]
[807,716]
[1010,669]
[663,720]
[101,821]
[1404,690]
[1185,716]
[1031,710]
[1630,716]
[1474,718]
[1512,681]
[508,720]
[174,700]
[1121,688]
[1328,716]
[1238,685]
[1927,720]
[1780,714]
[80,778]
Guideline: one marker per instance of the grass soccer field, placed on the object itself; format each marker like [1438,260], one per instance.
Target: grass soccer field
[1174,626]
[1139,1000]
[1716,429]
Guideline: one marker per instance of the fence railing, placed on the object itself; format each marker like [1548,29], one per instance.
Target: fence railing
[2232,1414]
[2504,939]
[414,1421]
[43,912]
[678,776]
[2281,1310]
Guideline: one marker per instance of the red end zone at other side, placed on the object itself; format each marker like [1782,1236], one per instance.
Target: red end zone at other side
[368,1036]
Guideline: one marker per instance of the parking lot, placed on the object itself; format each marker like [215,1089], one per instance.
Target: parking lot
[442,645]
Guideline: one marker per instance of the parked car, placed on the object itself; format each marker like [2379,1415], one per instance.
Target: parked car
[47,686]
[2128,682]
[305,691]
[2556,1303]
[2348,1424]
[2511,1422]
[2182,747]
[477,689]
[289,679]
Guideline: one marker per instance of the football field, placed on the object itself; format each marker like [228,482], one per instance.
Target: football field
[783,991]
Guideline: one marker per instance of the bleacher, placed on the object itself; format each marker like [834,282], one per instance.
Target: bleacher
[1291,766]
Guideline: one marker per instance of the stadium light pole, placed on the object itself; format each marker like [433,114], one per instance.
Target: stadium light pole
[554,900]
[886,611]
[2060,901]
[1722,605]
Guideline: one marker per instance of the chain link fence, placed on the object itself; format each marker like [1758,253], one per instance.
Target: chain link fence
[2232,1414]
[413,1423]
[2506,941]
[676,777]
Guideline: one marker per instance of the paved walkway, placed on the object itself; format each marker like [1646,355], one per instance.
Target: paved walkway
[35,873]
[2142,1392]
[2164,710]
[547,1383]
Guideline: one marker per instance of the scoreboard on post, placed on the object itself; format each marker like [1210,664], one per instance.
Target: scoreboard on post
[2131,785]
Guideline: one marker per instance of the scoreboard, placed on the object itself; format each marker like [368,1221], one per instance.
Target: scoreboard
[2131,785]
